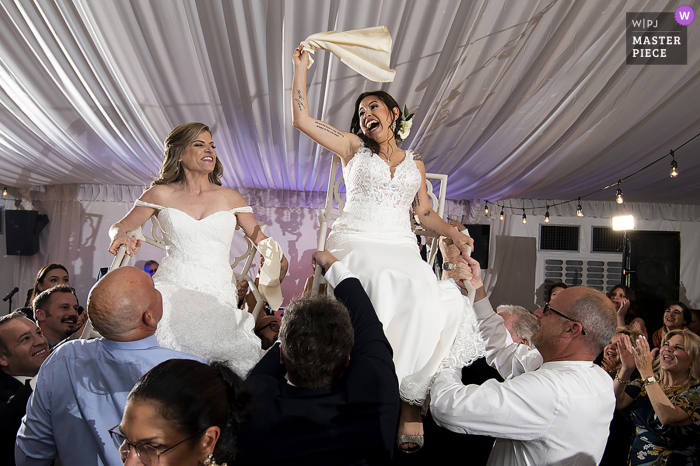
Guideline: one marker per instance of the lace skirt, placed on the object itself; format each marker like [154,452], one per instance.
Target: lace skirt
[421,316]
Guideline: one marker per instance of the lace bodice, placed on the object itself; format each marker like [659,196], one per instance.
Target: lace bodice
[375,202]
[197,250]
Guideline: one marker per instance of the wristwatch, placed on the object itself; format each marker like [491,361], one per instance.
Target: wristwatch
[650,380]
[448,266]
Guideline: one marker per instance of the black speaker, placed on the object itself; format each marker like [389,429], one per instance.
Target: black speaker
[652,268]
[481,235]
[23,229]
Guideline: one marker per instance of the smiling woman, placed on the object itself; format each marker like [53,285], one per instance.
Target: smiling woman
[373,238]
[198,218]
[665,401]
[49,276]
[676,316]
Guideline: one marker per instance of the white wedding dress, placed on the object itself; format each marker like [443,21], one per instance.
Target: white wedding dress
[421,316]
[200,312]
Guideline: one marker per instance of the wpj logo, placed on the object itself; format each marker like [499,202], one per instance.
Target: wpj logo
[656,39]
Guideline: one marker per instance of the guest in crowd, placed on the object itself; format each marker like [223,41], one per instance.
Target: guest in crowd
[557,407]
[676,316]
[182,412]
[621,427]
[625,305]
[56,313]
[150,267]
[520,323]
[611,361]
[556,289]
[49,276]
[665,401]
[82,387]
[327,393]
[694,325]
[22,350]
[267,328]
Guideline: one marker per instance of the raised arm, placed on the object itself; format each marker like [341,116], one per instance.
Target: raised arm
[432,221]
[339,142]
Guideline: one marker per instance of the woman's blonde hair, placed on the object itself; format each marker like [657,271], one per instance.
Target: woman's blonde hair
[691,346]
[175,145]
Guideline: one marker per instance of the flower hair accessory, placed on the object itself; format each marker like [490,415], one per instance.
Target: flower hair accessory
[404,125]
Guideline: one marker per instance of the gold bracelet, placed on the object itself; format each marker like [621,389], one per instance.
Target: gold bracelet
[624,382]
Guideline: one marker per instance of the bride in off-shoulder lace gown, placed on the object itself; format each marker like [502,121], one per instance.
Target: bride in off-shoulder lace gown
[200,312]
[420,315]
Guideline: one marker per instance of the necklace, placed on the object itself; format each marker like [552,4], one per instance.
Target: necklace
[672,387]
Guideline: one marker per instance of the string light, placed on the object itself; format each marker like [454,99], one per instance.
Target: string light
[486,208]
[524,216]
[674,166]
[4,191]
[618,195]
[579,209]
[502,216]
[546,215]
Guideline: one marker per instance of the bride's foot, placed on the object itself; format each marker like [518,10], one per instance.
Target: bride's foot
[410,435]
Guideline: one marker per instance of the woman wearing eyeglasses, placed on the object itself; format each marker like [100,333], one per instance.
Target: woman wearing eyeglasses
[182,412]
[665,402]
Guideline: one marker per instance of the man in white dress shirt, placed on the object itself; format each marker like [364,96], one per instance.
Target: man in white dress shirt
[555,405]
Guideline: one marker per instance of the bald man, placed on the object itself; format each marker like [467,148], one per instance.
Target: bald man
[555,405]
[82,386]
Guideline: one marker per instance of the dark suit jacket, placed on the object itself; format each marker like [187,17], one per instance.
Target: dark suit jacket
[13,406]
[352,422]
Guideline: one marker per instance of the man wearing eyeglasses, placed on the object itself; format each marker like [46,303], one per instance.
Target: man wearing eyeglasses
[555,405]
[82,386]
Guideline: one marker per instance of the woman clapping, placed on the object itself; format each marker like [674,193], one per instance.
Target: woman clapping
[665,402]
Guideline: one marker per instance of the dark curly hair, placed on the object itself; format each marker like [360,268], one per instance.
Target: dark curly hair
[196,396]
[355,123]
[316,336]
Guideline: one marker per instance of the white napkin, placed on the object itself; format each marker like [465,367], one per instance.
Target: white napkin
[269,283]
[366,51]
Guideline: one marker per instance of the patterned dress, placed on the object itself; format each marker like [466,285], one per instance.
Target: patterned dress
[656,444]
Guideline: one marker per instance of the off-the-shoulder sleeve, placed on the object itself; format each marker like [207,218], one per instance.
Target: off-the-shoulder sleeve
[140,203]
[242,210]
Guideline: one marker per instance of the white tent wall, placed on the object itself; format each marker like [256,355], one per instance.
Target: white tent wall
[80,217]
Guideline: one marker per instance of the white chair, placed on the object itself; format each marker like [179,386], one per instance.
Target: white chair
[326,214]
[122,259]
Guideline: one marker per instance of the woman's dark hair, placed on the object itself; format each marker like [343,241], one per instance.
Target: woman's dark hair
[355,123]
[629,294]
[175,146]
[195,396]
[687,315]
[40,280]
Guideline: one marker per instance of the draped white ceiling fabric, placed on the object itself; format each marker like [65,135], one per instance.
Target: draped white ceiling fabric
[513,99]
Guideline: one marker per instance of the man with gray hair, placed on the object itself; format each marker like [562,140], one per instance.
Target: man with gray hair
[556,404]
[82,386]
[520,323]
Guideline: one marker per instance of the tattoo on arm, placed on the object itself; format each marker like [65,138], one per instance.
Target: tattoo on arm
[299,100]
[329,129]
[427,213]
[416,201]
[417,157]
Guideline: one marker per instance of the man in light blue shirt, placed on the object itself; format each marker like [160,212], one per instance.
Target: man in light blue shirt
[82,387]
